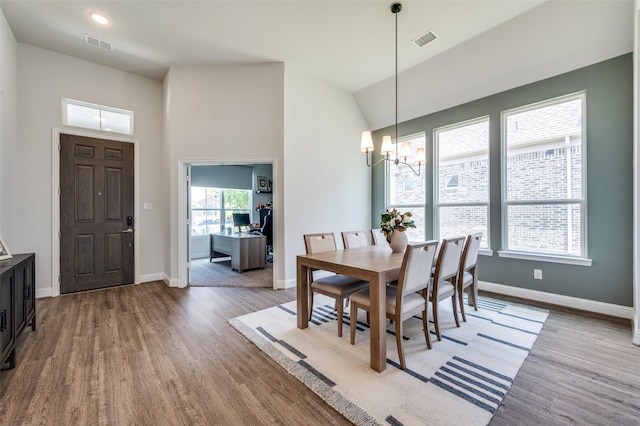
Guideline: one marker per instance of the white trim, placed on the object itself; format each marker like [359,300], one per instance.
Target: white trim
[579,261]
[636,175]
[560,300]
[158,276]
[43,292]
[183,237]
[504,155]
[55,199]
[284,284]
[102,108]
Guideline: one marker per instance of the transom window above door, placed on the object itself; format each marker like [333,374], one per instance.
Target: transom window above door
[96,117]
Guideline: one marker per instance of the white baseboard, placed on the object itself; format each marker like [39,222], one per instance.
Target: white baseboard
[285,284]
[557,299]
[152,277]
[171,282]
[43,292]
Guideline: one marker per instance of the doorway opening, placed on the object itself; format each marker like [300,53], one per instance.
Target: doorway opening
[228,212]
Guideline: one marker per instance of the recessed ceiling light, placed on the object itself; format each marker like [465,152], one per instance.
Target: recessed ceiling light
[100,19]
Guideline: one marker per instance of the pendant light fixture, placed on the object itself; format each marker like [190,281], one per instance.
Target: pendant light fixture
[404,156]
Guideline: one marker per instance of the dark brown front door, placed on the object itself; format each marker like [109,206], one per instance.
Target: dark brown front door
[96,213]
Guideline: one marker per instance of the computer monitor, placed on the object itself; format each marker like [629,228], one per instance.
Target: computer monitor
[240,220]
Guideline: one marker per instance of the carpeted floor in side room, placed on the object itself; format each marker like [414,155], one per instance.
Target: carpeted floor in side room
[219,274]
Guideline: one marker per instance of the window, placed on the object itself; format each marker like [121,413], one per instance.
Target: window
[461,182]
[212,208]
[451,181]
[406,191]
[97,117]
[544,201]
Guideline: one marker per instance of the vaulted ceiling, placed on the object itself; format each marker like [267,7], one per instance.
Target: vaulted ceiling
[482,46]
[349,44]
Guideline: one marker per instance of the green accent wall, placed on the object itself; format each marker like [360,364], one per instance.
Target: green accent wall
[609,109]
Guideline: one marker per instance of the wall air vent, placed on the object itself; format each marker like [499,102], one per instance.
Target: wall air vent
[428,37]
[96,42]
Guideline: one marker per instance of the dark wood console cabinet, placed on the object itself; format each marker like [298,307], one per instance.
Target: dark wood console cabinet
[17,303]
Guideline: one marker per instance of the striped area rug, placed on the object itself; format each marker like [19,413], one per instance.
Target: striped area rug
[461,381]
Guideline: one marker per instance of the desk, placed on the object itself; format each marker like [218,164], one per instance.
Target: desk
[376,264]
[247,251]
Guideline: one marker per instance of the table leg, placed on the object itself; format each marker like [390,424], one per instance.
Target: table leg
[302,295]
[378,330]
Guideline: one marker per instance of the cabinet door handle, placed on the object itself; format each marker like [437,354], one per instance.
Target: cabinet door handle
[27,292]
[3,320]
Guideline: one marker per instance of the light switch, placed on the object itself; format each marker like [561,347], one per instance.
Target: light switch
[148,206]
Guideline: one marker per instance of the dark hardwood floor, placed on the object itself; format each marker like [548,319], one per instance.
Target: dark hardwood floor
[152,355]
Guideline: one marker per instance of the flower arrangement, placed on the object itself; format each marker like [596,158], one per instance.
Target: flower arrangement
[392,220]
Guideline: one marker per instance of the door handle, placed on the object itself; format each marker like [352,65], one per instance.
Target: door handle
[128,231]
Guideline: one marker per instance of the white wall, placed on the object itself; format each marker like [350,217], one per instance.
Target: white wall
[222,115]
[327,183]
[44,79]
[8,133]
[550,39]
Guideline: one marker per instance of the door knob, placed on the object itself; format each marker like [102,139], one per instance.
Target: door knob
[128,231]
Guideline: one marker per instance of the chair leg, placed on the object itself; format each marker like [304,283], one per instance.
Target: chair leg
[353,318]
[425,325]
[399,342]
[461,303]
[474,290]
[340,312]
[455,308]
[434,305]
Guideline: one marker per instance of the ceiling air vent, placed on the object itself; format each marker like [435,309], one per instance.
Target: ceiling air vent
[96,42]
[428,37]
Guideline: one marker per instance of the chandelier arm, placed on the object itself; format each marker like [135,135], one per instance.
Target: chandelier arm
[369,158]
[412,169]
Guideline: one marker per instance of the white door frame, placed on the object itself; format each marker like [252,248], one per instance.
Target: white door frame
[55,199]
[183,218]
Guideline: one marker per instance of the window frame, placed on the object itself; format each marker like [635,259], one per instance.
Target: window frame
[581,259]
[222,209]
[423,173]
[102,108]
[436,180]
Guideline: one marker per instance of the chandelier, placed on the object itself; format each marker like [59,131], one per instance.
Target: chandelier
[404,156]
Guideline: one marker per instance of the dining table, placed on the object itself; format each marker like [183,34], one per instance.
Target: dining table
[375,264]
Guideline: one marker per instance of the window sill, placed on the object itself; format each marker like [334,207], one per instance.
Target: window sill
[579,261]
[485,252]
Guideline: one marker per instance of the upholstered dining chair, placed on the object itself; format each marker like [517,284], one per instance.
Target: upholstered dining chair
[378,237]
[444,279]
[468,273]
[337,286]
[353,239]
[405,300]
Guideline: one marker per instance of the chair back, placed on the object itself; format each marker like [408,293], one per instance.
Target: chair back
[267,228]
[318,243]
[353,239]
[448,258]
[378,238]
[470,252]
[415,271]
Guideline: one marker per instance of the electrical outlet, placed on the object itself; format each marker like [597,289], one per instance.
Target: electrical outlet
[537,274]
